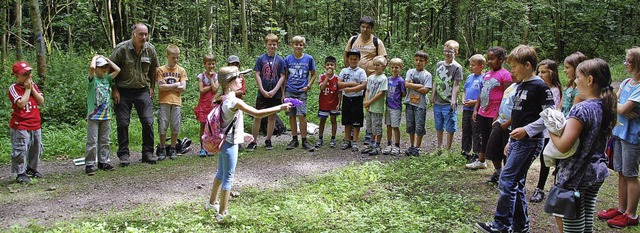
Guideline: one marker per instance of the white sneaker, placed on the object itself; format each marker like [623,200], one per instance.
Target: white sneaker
[395,151]
[219,217]
[209,206]
[476,165]
[387,150]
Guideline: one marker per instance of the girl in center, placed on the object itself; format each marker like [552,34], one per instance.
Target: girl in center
[232,107]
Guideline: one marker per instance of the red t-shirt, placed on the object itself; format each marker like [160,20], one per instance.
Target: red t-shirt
[27,118]
[329,96]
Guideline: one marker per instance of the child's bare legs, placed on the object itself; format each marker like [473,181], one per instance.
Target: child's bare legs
[396,134]
[256,127]
[439,136]
[163,139]
[201,132]
[418,140]
[174,140]
[334,126]
[217,184]
[449,140]
[294,127]
[411,139]
[323,121]
[271,124]
[389,133]
[628,193]
[347,132]
[356,134]
[303,126]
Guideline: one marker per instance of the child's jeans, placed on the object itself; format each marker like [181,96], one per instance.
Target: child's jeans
[26,147]
[511,212]
[445,118]
[227,159]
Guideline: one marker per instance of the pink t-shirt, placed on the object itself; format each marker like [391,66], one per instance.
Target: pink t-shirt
[492,91]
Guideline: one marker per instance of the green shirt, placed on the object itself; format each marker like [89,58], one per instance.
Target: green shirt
[134,68]
[375,85]
[99,98]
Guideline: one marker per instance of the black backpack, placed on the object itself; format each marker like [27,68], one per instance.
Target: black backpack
[354,38]
[279,128]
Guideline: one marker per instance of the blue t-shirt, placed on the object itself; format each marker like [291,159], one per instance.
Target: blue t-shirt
[299,70]
[629,129]
[270,69]
[394,92]
[472,88]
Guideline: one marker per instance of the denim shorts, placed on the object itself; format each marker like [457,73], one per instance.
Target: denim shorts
[445,118]
[626,158]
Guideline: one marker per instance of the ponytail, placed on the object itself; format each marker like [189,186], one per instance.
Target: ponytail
[609,107]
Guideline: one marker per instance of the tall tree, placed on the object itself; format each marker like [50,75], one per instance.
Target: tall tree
[112,32]
[243,22]
[18,27]
[4,26]
[36,27]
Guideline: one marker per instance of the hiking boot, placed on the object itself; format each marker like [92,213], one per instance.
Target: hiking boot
[172,153]
[395,151]
[33,173]
[387,150]
[149,158]
[124,160]
[537,197]
[105,166]
[252,146]
[318,143]
[354,147]
[292,144]
[23,179]
[374,151]
[90,170]
[476,165]
[366,150]
[408,151]
[307,146]
[487,227]
[267,145]
[622,221]
[161,152]
[332,144]
[609,214]
[494,177]
[345,145]
[203,153]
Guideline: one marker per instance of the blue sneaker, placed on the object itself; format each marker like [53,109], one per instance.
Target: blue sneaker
[203,153]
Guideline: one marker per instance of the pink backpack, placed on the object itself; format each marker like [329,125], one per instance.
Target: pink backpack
[214,134]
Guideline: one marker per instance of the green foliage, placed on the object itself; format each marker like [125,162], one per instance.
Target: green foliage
[408,195]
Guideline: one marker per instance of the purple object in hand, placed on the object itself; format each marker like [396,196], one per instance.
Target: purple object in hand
[293,101]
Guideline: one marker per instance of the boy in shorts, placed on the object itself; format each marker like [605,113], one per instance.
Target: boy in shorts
[172,81]
[374,104]
[300,73]
[393,113]
[418,83]
[354,81]
[329,100]
[445,96]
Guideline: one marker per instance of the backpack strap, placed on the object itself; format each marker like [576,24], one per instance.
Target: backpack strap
[375,43]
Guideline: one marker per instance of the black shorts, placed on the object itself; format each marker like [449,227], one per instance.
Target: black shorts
[497,141]
[262,103]
[352,114]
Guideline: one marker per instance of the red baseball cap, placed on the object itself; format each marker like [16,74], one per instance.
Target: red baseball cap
[21,67]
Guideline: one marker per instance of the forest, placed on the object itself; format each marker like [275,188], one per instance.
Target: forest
[58,37]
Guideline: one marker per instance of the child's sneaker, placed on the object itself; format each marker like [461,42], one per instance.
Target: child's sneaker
[416,151]
[395,151]
[33,173]
[374,151]
[487,227]
[252,146]
[476,165]
[538,196]
[366,150]
[105,166]
[408,151]
[214,206]
[267,145]
[333,143]
[622,221]
[161,152]
[319,143]
[172,153]
[354,147]
[307,146]
[203,153]
[609,214]
[494,177]
[23,179]
[90,170]
[345,145]
[292,144]
[387,150]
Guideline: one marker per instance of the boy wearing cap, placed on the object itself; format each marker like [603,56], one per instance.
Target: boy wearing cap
[234,60]
[99,113]
[26,137]
[354,79]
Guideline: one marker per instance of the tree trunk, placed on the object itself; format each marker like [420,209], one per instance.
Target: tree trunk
[5,33]
[527,21]
[69,35]
[407,22]
[230,23]
[453,13]
[112,31]
[18,27]
[243,22]
[36,27]
[210,26]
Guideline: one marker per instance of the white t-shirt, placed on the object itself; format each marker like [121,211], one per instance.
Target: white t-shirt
[236,135]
